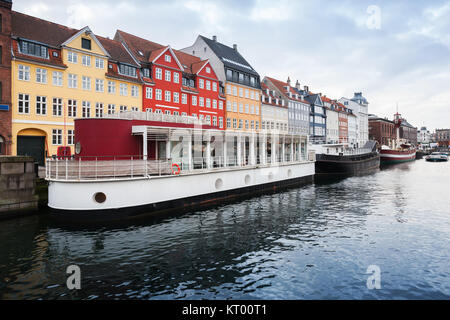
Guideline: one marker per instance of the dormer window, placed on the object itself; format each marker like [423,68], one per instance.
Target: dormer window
[33,49]
[127,70]
[146,72]
[86,43]
[55,54]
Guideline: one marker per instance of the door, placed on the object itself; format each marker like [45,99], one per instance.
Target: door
[33,146]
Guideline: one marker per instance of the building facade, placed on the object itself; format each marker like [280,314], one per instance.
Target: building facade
[443,137]
[359,106]
[5,78]
[241,83]
[298,109]
[382,130]
[352,134]
[424,136]
[274,112]
[59,74]
[408,132]
[176,83]
[332,122]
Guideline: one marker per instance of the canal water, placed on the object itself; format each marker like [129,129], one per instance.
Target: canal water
[313,242]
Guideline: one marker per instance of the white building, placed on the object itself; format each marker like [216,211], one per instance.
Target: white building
[423,136]
[332,125]
[352,131]
[274,112]
[360,107]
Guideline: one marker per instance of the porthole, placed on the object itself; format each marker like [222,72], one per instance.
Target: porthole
[248,179]
[100,197]
[219,184]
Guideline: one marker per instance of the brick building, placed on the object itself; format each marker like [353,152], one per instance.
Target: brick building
[5,77]
[381,130]
[443,137]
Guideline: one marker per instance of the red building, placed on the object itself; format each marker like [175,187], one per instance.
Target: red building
[176,83]
[382,130]
[343,122]
[5,77]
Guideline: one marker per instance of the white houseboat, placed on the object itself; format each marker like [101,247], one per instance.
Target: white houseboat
[138,163]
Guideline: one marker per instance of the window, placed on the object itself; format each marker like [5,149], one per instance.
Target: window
[252,109]
[201,102]
[220,122]
[208,120]
[33,49]
[167,96]
[158,94]
[228,123]
[86,109]
[111,87]
[247,109]
[57,78]
[241,123]
[257,125]
[247,94]
[256,110]
[214,105]
[234,90]
[214,86]
[123,89]
[228,105]
[208,70]
[146,72]
[86,61]
[99,110]
[176,97]
[24,73]
[201,83]
[215,121]
[252,95]
[72,57]
[111,108]
[241,108]
[184,98]
[158,111]
[57,107]
[208,103]
[252,124]
[86,83]
[241,92]
[176,113]
[134,91]
[86,44]
[148,93]
[71,108]
[228,89]
[167,75]
[24,103]
[194,100]
[168,58]
[41,75]
[41,105]
[70,137]
[57,137]
[73,81]
[234,123]
[167,112]
[99,85]
[235,106]
[176,77]
[208,85]
[99,63]
[246,124]
[158,73]
[127,70]
[122,108]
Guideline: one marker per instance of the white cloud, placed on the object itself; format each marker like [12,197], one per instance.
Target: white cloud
[267,10]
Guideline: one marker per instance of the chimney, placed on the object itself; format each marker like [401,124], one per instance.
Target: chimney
[306,89]
[297,85]
[320,93]
[235,47]
[215,38]
[288,82]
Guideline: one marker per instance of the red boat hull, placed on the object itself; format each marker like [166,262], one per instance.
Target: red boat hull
[397,156]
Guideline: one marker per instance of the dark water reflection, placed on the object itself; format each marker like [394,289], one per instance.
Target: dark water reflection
[312,242]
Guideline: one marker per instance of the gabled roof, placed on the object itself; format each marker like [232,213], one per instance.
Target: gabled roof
[230,57]
[281,86]
[117,51]
[139,47]
[46,32]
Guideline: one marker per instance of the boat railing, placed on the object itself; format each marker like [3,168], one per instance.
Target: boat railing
[97,168]
[125,167]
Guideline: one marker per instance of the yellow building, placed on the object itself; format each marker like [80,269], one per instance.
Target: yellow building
[59,74]
[243,112]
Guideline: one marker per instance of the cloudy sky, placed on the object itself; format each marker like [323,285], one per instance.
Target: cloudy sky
[392,51]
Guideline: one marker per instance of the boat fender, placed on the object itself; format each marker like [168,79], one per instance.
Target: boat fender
[176,169]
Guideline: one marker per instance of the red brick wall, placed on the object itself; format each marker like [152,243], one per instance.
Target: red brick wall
[381,131]
[5,76]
